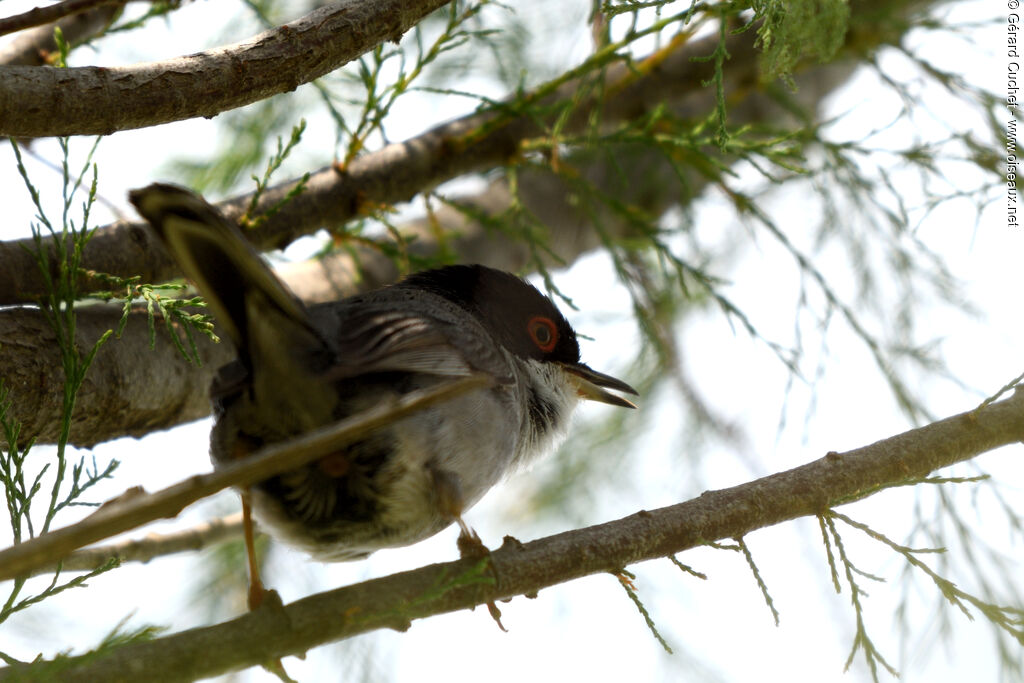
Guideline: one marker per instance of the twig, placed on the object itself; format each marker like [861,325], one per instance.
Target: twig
[49,548]
[150,546]
[34,46]
[50,13]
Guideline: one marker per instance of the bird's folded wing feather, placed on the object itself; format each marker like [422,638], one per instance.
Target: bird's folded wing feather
[378,338]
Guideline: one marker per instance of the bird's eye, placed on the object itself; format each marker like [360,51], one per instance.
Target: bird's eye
[543,333]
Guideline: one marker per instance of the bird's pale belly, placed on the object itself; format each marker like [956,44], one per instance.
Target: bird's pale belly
[363,498]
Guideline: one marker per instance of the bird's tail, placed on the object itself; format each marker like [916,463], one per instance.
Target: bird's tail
[267,323]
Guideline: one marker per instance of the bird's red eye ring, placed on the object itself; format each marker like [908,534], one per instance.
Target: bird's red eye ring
[543,333]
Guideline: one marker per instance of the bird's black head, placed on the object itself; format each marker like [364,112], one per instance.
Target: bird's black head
[520,317]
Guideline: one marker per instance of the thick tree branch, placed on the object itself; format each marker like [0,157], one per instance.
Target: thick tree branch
[524,569]
[133,511]
[131,389]
[40,101]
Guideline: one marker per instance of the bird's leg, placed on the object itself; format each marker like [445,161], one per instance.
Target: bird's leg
[257,593]
[450,503]
[256,590]
[242,447]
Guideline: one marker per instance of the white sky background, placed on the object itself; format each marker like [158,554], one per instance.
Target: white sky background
[588,629]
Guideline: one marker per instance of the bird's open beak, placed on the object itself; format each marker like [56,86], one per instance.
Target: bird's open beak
[592,386]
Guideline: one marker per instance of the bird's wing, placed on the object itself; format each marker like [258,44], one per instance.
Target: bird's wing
[375,334]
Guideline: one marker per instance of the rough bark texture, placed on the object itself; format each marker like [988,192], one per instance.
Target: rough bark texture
[130,390]
[50,14]
[39,101]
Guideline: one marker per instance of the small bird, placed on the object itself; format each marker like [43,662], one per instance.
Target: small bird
[302,368]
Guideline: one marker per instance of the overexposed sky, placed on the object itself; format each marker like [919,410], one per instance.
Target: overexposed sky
[588,629]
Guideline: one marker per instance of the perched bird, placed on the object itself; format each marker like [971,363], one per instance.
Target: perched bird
[302,368]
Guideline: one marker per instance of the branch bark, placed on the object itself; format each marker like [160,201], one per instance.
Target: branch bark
[132,391]
[524,569]
[39,101]
[34,47]
[40,16]
[150,546]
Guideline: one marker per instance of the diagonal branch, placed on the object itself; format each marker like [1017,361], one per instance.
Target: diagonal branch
[523,569]
[33,47]
[39,16]
[473,143]
[40,102]
[139,509]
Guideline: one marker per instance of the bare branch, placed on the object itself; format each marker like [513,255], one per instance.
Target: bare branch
[39,102]
[33,48]
[39,16]
[150,546]
[137,510]
[523,569]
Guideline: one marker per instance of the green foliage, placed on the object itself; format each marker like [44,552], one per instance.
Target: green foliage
[749,557]
[796,30]
[984,563]
[53,670]
[61,281]
[718,81]
[380,95]
[740,546]
[687,569]
[643,222]
[17,491]
[626,580]
[239,151]
[274,163]
[861,640]
[63,48]
[1007,619]
[60,271]
[176,315]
